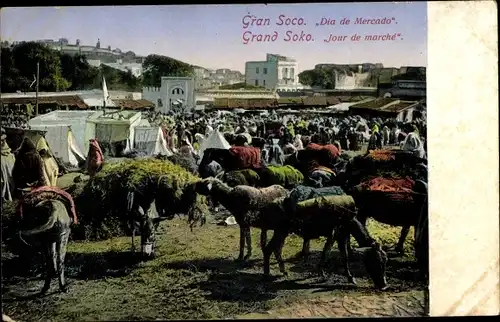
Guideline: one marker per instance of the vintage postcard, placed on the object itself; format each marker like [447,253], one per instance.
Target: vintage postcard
[216,162]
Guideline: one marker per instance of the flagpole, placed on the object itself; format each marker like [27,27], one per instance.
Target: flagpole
[37,78]
[104,94]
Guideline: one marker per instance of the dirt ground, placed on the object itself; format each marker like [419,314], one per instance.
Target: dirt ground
[194,276]
[406,304]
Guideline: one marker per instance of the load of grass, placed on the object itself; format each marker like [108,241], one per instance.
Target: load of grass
[245,177]
[102,202]
[286,176]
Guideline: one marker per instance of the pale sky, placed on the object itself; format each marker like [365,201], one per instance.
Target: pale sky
[211,35]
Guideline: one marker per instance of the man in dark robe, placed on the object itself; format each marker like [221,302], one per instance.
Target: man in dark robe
[29,167]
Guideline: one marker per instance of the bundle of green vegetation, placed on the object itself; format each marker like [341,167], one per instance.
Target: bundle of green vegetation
[286,176]
[246,177]
[102,204]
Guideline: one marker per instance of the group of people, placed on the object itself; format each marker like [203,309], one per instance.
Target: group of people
[15,117]
[276,135]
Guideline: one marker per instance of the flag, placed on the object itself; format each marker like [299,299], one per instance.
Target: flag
[105,90]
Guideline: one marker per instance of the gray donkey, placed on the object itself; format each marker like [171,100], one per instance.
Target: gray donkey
[49,224]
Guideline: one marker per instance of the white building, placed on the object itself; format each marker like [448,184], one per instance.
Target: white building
[207,79]
[175,93]
[134,68]
[276,72]
[91,52]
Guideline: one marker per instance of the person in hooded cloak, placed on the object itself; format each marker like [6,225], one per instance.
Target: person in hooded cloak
[353,140]
[385,135]
[199,140]
[297,143]
[276,155]
[7,165]
[414,144]
[342,136]
[209,129]
[95,158]
[50,166]
[29,170]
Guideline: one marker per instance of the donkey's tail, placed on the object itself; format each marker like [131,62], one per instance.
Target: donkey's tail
[50,223]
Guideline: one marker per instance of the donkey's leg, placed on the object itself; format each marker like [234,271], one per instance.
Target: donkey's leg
[242,243]
[279,251]
[328,245]
[51,262]
[132,226]
[342,239]
[306,246]
[401,242]
[271,247]
[248,241]
[61,251]
[263,239]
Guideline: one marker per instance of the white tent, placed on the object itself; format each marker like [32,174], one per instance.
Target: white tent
[78,120]
[62,143]
[214,141]
[151,140]
[115,127]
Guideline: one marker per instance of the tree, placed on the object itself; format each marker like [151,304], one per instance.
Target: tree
[60,72]
[156,66]
[77,70]
[26,55]
[117,79]
[10,74]
[318,78]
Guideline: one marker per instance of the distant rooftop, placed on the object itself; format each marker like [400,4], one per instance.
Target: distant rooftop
[275,57]
[63,44]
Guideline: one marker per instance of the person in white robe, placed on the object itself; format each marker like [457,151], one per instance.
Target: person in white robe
[208,130]
[297,143]
[414,144]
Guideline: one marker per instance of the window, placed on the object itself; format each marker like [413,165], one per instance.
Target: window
[264,70]
[256,82]
[257,70]
[160,103]
[292,73]
[284,73]
[264,82]
[177,91]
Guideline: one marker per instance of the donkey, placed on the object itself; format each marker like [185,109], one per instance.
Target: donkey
[142,213]
[48,222]
[156,201]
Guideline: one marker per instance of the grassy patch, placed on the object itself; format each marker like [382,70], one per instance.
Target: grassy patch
[194,276]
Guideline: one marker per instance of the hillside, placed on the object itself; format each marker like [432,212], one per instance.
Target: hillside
[61,72]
